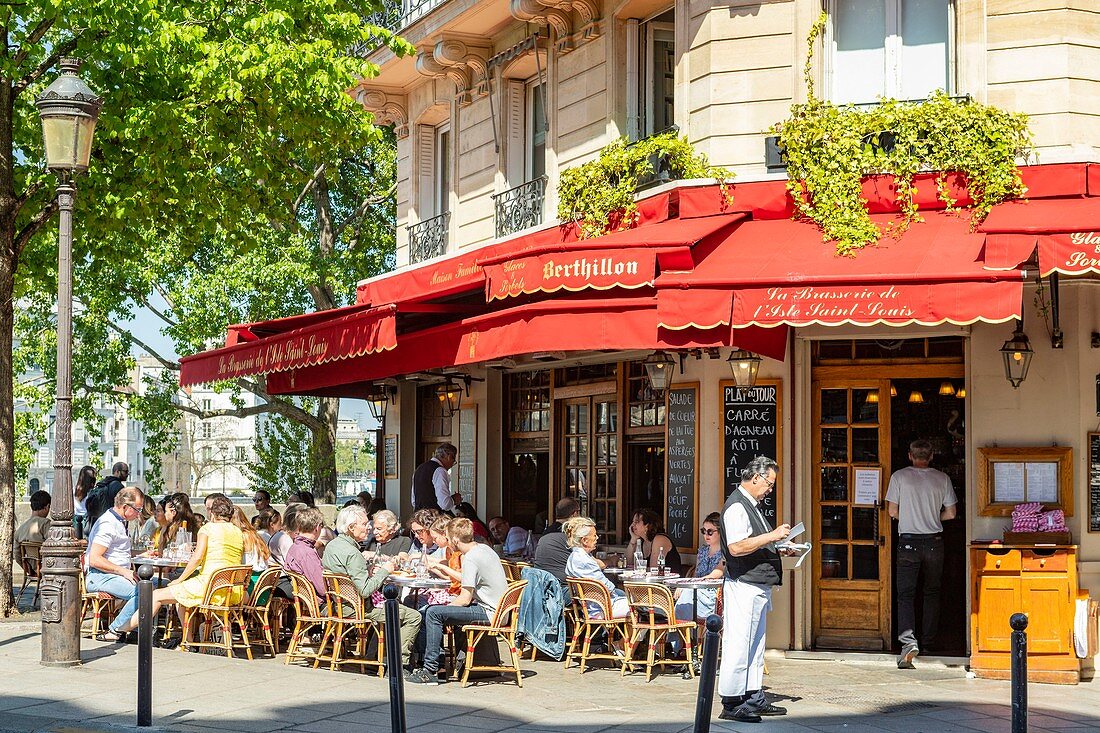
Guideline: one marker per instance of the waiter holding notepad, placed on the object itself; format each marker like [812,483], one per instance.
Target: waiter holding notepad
[753,568]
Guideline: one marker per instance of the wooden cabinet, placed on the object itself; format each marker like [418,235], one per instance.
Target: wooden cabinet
[1038,581]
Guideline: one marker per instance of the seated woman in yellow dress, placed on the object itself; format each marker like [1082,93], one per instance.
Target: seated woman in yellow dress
[219,545]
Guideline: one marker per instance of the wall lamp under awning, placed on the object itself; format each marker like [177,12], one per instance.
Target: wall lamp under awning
[660,367]
[745,367]
[1017,354]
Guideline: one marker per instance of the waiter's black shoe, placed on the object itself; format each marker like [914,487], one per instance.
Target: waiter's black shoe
[740,714]
[770,709]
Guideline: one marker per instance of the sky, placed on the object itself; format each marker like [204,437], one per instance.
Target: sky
[146,326]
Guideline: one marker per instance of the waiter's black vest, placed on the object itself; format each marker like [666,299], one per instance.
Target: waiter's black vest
[423,488]
[763,567]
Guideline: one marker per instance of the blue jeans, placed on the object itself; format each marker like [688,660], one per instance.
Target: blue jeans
[435,618]
[98,581]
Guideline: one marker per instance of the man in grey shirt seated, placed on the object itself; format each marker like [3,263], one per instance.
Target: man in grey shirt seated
[552,553]
[483,585]
[921,499]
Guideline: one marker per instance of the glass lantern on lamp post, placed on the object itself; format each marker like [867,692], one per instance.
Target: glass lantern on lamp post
[69,110]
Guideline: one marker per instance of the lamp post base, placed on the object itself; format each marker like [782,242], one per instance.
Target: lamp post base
[60,598]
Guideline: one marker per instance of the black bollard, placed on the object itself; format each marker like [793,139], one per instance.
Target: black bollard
[393,661]
[145,647]
[704,702]
[1019,672]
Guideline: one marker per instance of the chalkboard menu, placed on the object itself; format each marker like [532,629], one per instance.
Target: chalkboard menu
[467,453]
[389,456]
[750,428]
[681,452]
[1094,481]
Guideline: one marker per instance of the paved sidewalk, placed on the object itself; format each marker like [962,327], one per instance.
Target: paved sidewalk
[203,693]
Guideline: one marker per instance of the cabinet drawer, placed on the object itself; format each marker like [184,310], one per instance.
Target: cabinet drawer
[1055,562]
[995,562]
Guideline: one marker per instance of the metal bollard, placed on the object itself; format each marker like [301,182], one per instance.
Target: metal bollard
[704,702]
[1019,672]
[145,647]
[398,723]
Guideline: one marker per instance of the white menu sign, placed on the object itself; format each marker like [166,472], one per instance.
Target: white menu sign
[867,486]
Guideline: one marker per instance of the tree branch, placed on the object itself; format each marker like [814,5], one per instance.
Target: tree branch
[306,189]
[362,209]
[33,38]
[164,362]
[33,226]
[59,51]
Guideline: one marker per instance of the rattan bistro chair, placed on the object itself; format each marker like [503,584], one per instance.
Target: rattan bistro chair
[222,604]
[30,561]
[99,604]
[592,593]
[502,625]
[307,614]
[653,615]
[348,613]
[258,608]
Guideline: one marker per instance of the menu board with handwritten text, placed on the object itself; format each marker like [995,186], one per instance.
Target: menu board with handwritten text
[389,456]
[1093,478]
[467,453]
[681,456]
[750,428]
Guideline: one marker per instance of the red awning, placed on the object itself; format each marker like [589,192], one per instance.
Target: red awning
[342,336]
[768,273]
[1066,231]
[239,332]
[463,271]
[626,259]
[617,324]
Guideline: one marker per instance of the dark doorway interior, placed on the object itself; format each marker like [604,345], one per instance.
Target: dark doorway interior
[526,491]
[934,409]
[645,478]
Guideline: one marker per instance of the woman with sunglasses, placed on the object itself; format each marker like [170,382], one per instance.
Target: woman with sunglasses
[709,564]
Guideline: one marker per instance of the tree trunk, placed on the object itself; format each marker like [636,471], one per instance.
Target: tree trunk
[324,447]
[7,427]
[9,262]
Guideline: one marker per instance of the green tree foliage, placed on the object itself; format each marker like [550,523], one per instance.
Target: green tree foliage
[227,134]
[283,458]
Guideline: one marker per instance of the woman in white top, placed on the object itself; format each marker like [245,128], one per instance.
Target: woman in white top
[580,534]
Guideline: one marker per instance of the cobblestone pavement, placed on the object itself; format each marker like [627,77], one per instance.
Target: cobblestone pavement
[204,693]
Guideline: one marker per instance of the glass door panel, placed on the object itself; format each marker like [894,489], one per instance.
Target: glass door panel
[852,565]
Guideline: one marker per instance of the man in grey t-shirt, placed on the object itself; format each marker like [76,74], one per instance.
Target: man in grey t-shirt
[483,585]
[920,498]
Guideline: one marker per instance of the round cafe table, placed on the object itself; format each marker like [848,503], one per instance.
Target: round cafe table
[414,585]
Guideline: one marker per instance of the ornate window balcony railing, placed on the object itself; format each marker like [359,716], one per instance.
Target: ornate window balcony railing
[398,14]
[428,238]
[520,207]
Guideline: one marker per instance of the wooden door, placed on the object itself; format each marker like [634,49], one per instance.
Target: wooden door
[590,459]
[851,529]
[1050,613]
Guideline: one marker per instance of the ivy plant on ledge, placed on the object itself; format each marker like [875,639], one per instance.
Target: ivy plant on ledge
[830,148]
[599,195]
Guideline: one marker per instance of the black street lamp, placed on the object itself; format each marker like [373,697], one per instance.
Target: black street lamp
[68,110]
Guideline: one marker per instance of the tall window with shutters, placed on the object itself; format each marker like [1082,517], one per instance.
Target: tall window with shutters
[900,49]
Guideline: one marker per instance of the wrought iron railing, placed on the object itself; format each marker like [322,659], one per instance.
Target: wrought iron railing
[428,238]
[398,14]
[520,207]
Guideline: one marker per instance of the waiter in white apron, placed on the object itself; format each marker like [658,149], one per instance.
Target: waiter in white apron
[753,568]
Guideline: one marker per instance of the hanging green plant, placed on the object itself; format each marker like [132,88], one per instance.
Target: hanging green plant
[829,149]
[599,195]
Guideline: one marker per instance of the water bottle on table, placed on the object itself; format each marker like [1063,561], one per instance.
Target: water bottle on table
[661,562]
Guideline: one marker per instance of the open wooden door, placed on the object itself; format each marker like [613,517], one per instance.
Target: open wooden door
[851,529]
